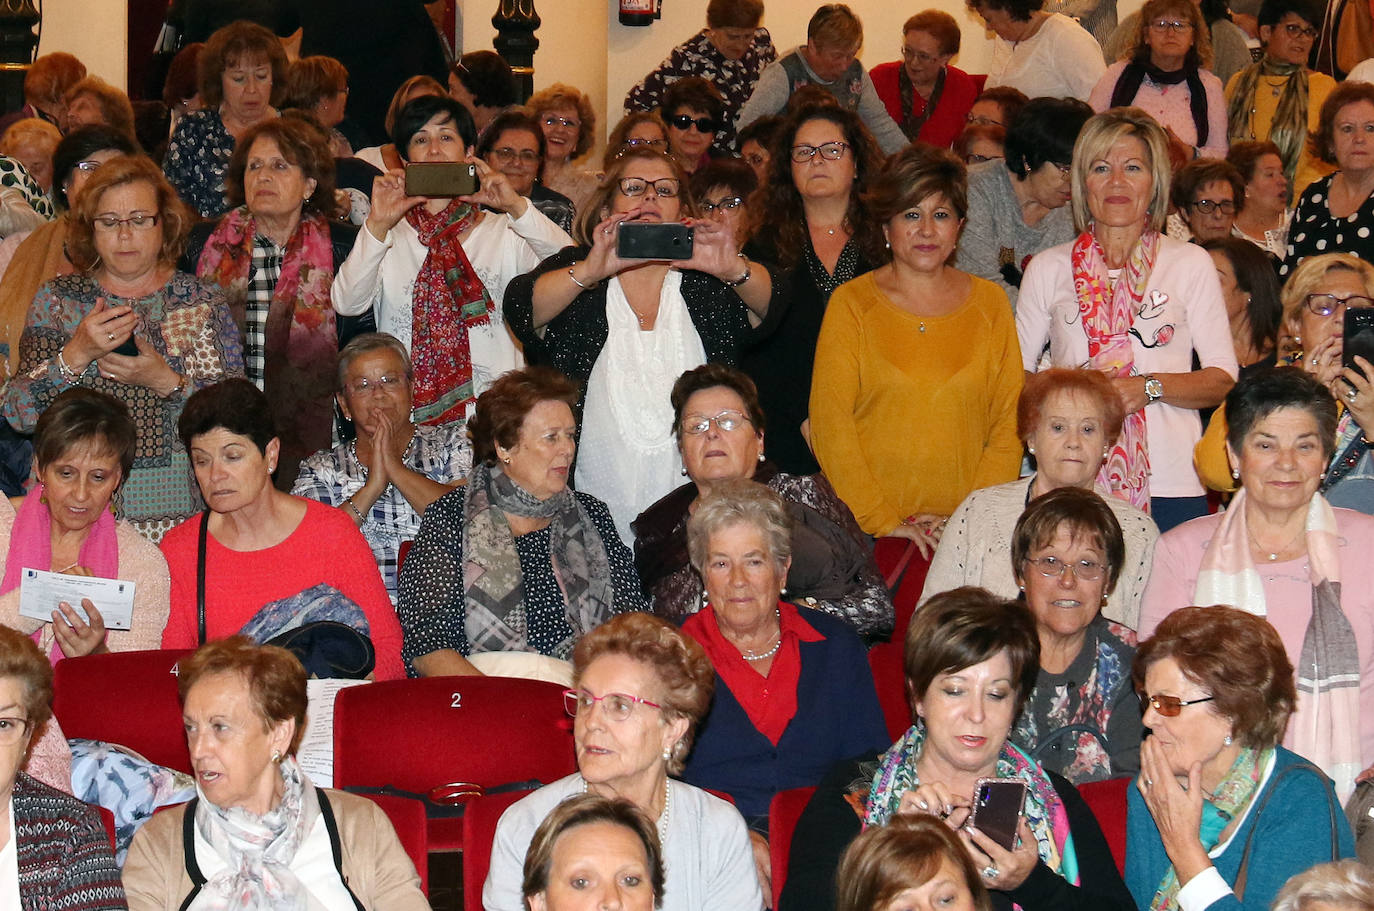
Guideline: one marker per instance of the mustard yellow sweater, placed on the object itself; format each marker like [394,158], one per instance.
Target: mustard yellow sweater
[911,414]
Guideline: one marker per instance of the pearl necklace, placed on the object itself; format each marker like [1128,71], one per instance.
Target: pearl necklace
[764,656]
[662,817]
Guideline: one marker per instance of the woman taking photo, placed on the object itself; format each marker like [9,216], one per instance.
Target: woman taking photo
[1280,551]
[1082,719]
[970,666]
[597,849]
[640,687]
[1068,421]
[275,255]
[124,236]
[627,328]
[262,556]
[1142,329]
[1219,808]
[1020,205]
[1336,213]
[793,692]
[1172,50]
[1251,291]
[1265,217]
[719,428]
[83,449]
[387,476]
[916,343]
[1278,98]
[433,270]
[927,97]
[809,218]
[552,566]
[242,77]
[263,833]
[58,842]
[31,258]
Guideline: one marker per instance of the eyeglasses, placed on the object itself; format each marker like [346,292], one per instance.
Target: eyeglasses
[974,158]
[1053,567]
[650,143]
[551,121]
[1300,31]
[726,421]
[920,57]
[12,730]
[727,204]
[387,382]
[1168,706]
[703,124]
[664,187]
[1327,304]
[1208,206]
[618,705]
[507,155]
[982,119]
[1171,25]
[830,151]
[137,221]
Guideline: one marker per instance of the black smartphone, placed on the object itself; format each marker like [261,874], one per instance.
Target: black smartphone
[1359,336]
[441,178]
[128,347]
[649,240]
[998,804]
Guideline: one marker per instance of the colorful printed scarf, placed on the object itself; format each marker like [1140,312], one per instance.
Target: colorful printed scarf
[1108,312]
[495,616]
[1228,801]
[301,341]
[1325,728]
[1288,129]
[1045,813]
[448,301]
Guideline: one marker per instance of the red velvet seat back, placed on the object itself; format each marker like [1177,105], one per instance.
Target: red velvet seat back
[1107,800]
[783,812]
[479,830]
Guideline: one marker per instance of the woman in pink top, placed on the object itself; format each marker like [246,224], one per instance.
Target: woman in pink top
[263,546]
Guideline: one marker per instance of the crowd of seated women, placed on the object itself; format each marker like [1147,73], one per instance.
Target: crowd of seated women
[1091,390]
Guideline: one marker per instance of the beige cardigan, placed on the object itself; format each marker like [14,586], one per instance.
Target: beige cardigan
[375,866]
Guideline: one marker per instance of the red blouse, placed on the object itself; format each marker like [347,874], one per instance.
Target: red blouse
[947,121]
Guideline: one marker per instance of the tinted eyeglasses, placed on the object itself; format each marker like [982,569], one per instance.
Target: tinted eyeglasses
[1327,304]
[1168,706]
[703,124]
[830,151]
[664,187]
[1208,206]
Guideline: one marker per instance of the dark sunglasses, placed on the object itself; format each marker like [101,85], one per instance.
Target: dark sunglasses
[1169,706]
[703,124]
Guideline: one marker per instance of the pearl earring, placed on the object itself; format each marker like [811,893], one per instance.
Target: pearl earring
[684,472]
[761,456]
[1031,449]
[1235,474]
[1227,741]
[506,460]
[667,754]
[276,755]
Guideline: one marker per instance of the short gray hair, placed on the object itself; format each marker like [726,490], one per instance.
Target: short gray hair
[1344,883]
[367,343]
[1099,134]
[740,502]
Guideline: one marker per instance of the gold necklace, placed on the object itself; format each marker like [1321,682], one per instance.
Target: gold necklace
[1273,555]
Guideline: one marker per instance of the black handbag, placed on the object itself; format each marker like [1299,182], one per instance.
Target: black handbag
[326,649]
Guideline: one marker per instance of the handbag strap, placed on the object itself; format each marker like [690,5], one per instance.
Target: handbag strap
[1304,766]
[200,576]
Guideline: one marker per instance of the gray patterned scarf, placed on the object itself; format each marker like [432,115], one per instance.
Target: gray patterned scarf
[493,587]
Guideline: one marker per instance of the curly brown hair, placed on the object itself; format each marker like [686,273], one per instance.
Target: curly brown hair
[174,219]
[678,662]
[502,409]
[302,145]
[232,44]
[559,96]
[1342,96]
[777,217]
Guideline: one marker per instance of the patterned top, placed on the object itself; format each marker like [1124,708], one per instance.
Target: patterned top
[1315,230]
[699,57]
[197,160]
[64,855]
[1085,723]
[267,258]
[12,174]
[440,453]
[185,321]
[432,607]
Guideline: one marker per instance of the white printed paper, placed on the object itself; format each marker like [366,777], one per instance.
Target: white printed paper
[316,754]
[40,592]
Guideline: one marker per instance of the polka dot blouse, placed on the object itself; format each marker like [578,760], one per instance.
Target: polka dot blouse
[1315,230]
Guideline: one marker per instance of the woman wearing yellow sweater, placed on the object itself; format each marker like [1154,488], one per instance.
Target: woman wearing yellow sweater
[918,369]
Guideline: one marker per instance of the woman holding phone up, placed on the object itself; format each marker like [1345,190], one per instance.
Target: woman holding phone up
[625,329]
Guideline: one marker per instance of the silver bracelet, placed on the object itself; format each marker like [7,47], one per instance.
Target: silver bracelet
[349,505]
[748,272]
[573,276]
[71,375]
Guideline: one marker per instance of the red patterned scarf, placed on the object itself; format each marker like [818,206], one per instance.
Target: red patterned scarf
[1108,311]
[448,301]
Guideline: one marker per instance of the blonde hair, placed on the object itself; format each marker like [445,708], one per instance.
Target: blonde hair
[1312,272]
[1100,133]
